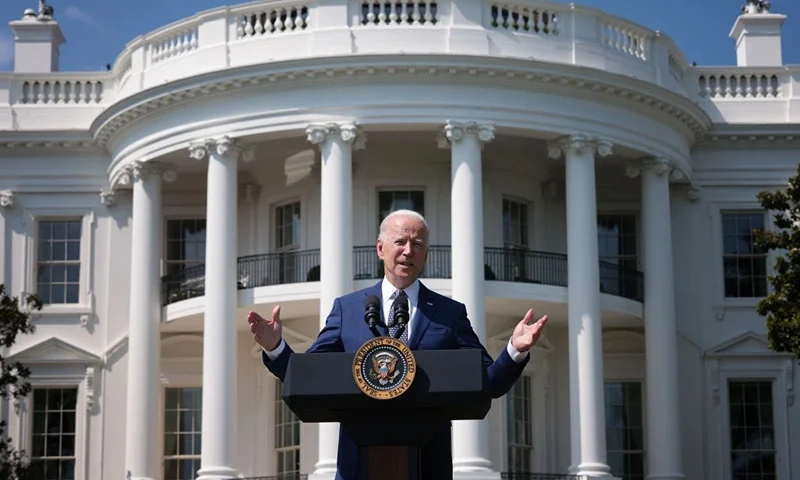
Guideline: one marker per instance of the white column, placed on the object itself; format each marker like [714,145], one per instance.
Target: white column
[144,320]
[218,451]
[470,437]
[663,390]
[336,143]
[587,403]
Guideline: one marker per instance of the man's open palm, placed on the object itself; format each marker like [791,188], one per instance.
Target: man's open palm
[527,332]
[266,332]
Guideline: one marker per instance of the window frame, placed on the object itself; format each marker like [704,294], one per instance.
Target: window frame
[716,209]
[543,408]
[724,363]
[276,388]
[165,236]
[273,234]
[178,372]
[84,383]
[86,295]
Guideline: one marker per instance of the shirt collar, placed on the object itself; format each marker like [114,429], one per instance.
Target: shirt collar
[387,290]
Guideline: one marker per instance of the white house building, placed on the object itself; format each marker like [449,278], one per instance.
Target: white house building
[243,158]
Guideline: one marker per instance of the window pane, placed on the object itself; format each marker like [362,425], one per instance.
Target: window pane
[744,265]
[391,200]
[53,437]
[182,409]
[751,429]
[624,433]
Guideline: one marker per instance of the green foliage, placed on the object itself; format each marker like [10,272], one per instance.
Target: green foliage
[782,307]
[14,321]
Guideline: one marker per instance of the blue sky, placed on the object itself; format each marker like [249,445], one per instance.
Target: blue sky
[97,30]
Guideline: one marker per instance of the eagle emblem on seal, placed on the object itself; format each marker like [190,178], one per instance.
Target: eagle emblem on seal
[383,368]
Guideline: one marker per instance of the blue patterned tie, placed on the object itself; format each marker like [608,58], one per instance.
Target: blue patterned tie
[393,329]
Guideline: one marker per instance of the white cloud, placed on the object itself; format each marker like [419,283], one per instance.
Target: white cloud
[6,50]
[74,13]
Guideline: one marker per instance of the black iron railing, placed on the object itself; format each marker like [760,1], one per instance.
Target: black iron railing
[500,264]
[538,476]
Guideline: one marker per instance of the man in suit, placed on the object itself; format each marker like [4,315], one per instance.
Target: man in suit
[436,322]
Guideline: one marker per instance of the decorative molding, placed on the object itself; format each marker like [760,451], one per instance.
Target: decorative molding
[455,131]
[578,144]
[48,144]
[90,371]
[111,121]
[6,199]
[54,350]
[348,132]
[692,193]
[108,198]
[250,192]
[224,146]
[789,376]
[84,320]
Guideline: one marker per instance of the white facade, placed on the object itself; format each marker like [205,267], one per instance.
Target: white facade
[578,143]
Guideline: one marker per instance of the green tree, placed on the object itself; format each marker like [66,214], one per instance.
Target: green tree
[782,307]
[14,321]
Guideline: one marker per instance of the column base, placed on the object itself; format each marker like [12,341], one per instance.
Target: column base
[322,476]
[217,473]
[484,475]
[593,471]
[666,476]
[140,478]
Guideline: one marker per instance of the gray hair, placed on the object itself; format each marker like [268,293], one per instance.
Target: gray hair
[400,213]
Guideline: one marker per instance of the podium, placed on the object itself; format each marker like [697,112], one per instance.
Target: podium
[390,433]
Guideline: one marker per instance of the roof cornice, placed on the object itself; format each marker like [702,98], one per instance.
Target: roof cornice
[445,69]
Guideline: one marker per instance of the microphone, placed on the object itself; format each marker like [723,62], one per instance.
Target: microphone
[372,313]
[400,314]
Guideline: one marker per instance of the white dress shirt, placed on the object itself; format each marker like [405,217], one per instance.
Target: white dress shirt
[387,290]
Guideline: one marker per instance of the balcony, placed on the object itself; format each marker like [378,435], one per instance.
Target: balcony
[500,265]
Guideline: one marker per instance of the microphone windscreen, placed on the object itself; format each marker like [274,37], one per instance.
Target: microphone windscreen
[372,300]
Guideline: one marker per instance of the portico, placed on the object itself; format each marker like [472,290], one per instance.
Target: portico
[335,143]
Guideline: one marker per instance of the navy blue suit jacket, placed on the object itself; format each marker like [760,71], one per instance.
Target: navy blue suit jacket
[440,323]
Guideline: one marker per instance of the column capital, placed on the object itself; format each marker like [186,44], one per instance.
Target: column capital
[138,170]
[348,132]
[455,131]
[224,146]
[6,199]
[659,165]
[577,144]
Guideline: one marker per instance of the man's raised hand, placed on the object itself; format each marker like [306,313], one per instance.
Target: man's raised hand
[266,332]
[527,332]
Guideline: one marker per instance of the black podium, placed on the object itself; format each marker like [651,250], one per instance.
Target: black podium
[448,385]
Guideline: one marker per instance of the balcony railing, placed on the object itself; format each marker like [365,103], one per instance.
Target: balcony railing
[500,264]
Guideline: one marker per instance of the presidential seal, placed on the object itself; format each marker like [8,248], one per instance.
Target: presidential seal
[384,368]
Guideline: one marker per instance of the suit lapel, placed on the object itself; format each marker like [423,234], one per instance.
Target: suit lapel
[376,290]
[426,307]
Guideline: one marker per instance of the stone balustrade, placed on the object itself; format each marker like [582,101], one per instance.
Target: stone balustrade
[267,32]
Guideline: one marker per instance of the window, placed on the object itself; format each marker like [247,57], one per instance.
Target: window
[391,200]
[515,224]
[287,436]
[52,452]
[744,265]
[752,430]
[58,270]
[287,226]
[183,412]
[519,426]
[186,244]
[617,248]
[624,432]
